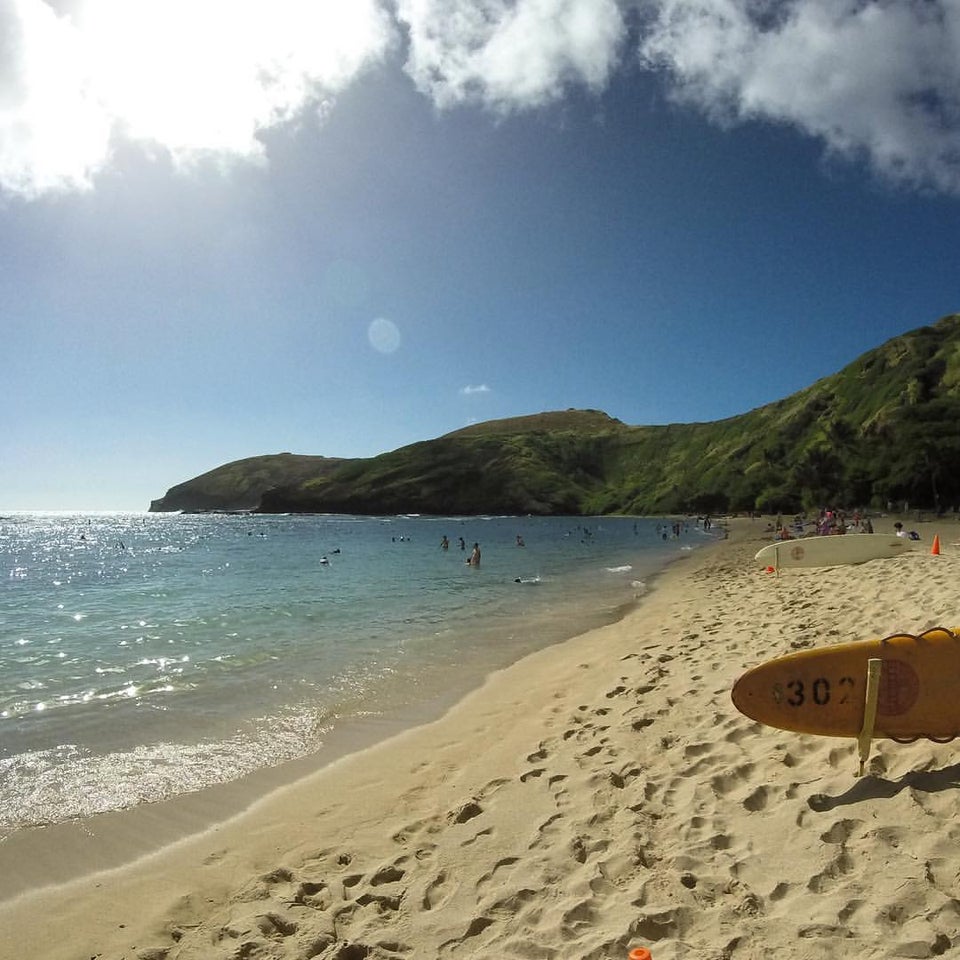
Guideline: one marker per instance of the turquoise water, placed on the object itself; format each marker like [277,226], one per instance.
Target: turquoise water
[144,656]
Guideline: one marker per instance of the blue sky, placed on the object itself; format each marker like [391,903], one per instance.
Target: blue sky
[338,228]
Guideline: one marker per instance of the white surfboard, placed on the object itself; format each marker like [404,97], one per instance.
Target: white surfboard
[833,550]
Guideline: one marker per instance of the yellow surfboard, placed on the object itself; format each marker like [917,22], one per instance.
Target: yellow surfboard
[824,690]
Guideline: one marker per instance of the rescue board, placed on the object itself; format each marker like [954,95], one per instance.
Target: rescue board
[833,550]
[823,690]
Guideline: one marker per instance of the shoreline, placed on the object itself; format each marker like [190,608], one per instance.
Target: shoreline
[38,856]
[631,806]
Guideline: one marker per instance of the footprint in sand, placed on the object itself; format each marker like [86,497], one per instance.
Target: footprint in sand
[723,783]
[500,865]
[475,928]
[841,831]
[465,813]
[546,828]
[310,894]
[849,909]
[779,892]
[390,874]
[620,780]
[492,787]
[757,800]
[827,878]
[702,766]
[275,927]
[478,836]
[437,892]
[659,923]
[350,882]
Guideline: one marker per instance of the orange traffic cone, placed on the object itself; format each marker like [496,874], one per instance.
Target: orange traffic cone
[640,953]
[935,549]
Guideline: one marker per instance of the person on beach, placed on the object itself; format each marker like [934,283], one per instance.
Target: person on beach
[474,560]
[444,543]
[898,527]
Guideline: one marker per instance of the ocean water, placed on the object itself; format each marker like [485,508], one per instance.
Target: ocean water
[143,656]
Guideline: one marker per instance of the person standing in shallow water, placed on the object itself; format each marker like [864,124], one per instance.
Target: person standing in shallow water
[474,560]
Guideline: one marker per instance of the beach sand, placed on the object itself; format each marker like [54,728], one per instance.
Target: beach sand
[601,794]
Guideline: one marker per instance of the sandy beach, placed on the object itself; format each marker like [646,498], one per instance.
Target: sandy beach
[598,795]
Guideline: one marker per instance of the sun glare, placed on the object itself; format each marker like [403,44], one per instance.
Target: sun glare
[384,335]
[206,76]
[192,78]
[51,132]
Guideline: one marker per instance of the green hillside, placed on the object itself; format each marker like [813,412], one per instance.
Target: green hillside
[240,485]
[884,428]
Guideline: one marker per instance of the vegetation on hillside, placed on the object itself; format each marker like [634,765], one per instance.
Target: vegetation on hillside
[886,428]
[240,485]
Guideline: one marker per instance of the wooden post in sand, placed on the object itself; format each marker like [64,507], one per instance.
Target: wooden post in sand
[874,667]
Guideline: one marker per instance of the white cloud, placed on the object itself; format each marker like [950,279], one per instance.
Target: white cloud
[470,391]
[510,54]
[874,79]
[195,79]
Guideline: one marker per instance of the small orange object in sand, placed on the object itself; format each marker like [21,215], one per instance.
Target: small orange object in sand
[935,551]
[640,953]
[770,570]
